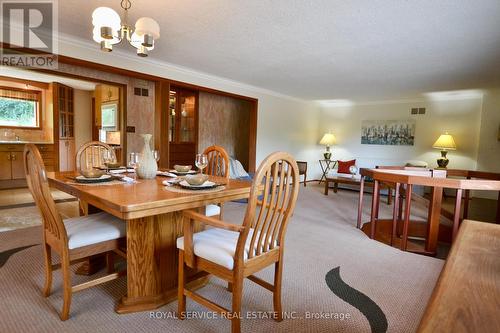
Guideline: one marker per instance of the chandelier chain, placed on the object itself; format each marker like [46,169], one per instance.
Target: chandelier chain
[126,4]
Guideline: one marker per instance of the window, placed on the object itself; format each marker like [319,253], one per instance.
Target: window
[109,115]
[19,107]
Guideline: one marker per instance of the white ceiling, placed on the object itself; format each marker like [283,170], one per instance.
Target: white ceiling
[322,49]
[42,77]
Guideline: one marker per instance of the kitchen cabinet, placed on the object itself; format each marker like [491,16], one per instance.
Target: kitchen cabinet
[67,155]
[5,166]
[64,105]
[12,163]
[17,164]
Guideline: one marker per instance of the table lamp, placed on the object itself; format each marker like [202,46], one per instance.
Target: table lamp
[328,140]
[445,142]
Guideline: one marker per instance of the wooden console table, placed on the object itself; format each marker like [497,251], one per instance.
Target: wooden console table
[466,296]
[404,179]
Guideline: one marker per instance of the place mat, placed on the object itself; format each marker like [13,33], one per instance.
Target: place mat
[178,189]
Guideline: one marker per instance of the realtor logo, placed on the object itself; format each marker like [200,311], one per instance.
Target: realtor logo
[29,33]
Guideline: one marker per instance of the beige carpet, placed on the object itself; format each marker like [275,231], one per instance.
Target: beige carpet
[321,237]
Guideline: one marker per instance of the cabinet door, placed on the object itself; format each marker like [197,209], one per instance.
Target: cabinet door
[17,165]
[5,166]
[71,153]
[63,155]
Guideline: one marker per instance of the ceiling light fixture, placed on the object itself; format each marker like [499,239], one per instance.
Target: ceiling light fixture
[109,29]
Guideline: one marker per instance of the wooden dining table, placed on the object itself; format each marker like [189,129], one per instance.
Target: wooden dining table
[153,215]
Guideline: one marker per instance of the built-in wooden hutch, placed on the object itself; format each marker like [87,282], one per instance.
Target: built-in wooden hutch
[182,126]
[190,118]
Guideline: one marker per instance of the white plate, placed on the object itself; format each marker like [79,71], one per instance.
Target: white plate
[207,184]
[190,172]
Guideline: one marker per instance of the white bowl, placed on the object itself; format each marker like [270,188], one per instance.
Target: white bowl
[196,180]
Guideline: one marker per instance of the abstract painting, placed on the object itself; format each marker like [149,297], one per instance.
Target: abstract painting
[388,132]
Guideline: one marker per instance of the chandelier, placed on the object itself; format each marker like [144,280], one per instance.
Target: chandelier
[109,29]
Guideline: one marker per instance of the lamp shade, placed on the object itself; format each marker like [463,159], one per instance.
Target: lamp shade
[136,41]
[96,35]
[328,139]
[445,142]
[106,17]
[147,26]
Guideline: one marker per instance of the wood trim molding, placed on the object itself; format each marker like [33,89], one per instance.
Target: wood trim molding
[144,76]
[40,85]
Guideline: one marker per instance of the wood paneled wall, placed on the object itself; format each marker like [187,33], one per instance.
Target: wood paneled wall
[225,121]
[140,109]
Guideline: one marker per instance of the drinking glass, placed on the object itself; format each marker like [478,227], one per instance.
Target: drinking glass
[107,157]
[133,160]
[156,155]
[201,162]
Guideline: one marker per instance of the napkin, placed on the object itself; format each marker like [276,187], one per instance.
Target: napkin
[118,171]
[128,179]
[166,174]
[171,182]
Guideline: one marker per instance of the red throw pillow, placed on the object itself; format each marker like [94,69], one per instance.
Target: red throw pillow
[345,165]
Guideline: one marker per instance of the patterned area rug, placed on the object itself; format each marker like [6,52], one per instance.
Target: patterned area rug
[335,280]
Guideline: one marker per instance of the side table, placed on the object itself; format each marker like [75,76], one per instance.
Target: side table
[326,165]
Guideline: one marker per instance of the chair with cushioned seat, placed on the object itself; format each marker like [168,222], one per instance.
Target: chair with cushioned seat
[218,165]
[303,170]
[234,252]
[73,239]
[91,154]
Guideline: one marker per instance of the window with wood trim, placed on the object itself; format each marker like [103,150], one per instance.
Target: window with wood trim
[19,108]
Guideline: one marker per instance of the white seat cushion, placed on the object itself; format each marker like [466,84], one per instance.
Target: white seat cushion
[216,245]
[212,210]
[93,229]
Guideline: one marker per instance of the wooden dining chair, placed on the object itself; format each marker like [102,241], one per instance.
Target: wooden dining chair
[72,239]
[234,252]
[218,165]
[303,170]
[91,153]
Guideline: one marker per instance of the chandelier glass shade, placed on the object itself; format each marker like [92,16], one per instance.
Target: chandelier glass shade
[109,29]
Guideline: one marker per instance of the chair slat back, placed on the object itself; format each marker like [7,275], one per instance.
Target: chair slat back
[91,153]
[218,162]
[39,187]
[271,204]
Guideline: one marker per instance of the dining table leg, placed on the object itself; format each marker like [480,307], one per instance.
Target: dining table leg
[374,213]
[152,262]
[433,220]
[360,202]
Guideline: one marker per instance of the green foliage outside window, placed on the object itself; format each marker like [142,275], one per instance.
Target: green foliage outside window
[109,114]
[17,112]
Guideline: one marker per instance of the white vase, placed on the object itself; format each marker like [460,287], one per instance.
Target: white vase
[147,166]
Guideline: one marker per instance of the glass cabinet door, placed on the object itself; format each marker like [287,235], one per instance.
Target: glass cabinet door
[187,116]
[182,116]
[172,114]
